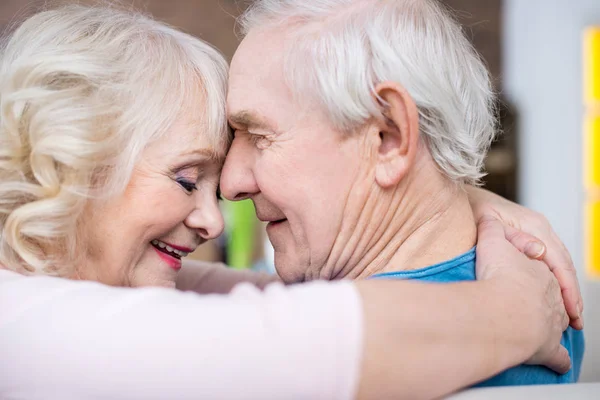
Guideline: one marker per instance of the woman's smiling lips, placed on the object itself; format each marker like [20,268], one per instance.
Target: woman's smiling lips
[170,253]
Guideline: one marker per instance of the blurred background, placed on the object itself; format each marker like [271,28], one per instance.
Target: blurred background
[542,66]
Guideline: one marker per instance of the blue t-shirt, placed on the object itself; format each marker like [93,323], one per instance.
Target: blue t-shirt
[462,268]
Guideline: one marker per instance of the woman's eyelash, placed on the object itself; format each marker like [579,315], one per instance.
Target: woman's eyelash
[187,185]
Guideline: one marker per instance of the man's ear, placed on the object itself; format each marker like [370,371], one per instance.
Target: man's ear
[398,134]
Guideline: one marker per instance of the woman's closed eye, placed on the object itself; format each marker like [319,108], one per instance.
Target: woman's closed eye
[187,185]
[188,177]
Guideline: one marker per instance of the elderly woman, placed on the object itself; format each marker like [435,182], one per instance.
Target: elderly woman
[112,137]
[358,126]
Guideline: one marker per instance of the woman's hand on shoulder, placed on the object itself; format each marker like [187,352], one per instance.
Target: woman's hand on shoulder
[533,235]
[528,292]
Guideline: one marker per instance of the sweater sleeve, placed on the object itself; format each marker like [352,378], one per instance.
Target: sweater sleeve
[83,340]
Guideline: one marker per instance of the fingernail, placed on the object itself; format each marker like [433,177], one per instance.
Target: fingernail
[535,250]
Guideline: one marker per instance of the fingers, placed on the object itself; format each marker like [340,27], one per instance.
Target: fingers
[560,263]
[527,244]
[560,362]
[489,229]
[491,245]
[565,321]
[571,296]
[557,258]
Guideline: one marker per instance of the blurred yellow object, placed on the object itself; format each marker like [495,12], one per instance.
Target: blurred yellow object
[593,238]
[591,62]
[591,150]
[592,154]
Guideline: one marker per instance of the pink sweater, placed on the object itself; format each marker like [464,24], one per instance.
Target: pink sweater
[62,339]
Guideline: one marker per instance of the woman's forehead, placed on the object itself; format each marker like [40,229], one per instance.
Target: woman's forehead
[199,127]
[206,119]
[188,138]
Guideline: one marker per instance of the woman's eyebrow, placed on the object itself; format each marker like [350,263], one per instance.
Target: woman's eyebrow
[200,152]
[199,156]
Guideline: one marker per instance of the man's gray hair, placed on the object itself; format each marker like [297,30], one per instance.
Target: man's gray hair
[341,49]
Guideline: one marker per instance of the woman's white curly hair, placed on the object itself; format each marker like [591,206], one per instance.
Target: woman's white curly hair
[83,90]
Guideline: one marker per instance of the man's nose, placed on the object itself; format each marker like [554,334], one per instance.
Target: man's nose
[237,178]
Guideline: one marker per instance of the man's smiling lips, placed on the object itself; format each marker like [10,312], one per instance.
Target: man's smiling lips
[275,223]
[272,221]
[269,216]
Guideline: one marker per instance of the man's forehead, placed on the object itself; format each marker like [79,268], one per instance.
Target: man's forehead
[258,61]
[255,102]
[258,95]
[259,46]
[248,85]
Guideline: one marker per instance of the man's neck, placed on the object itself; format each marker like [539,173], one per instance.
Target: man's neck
[432,222]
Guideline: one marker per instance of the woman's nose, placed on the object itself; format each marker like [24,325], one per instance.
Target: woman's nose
[206,219]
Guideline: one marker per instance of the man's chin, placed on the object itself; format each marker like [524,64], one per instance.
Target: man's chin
[289,271]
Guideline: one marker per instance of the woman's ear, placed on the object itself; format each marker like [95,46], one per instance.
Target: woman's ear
[398,134]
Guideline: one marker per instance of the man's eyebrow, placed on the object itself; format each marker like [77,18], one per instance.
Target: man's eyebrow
[246,118]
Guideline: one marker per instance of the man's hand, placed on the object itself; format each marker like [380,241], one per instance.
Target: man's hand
[531,292]
[532,234]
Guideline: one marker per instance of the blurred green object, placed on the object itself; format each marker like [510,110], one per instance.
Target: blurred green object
[240,242]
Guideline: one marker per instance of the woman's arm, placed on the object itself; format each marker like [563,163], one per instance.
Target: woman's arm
[316,341]
[522,220]
[83,340]
[451,336]
[519,222]
[215,278]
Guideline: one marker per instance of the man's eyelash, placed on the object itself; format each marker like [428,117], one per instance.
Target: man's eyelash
[256,138]
[260,141]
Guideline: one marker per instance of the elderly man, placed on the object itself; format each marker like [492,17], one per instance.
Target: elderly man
[358,126]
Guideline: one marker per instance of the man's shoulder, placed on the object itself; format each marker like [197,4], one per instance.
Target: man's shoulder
[460,268]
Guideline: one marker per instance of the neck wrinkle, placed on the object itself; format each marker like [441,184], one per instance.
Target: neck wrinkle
[426,220]
[351,230]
